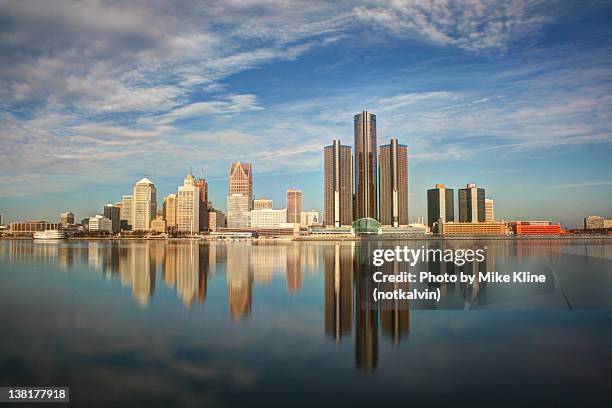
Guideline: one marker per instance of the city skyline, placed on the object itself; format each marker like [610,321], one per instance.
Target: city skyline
[518,104]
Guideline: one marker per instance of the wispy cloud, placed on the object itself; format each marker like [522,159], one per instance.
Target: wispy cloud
[585,184]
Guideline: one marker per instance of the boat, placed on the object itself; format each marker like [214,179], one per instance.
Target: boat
[50,235]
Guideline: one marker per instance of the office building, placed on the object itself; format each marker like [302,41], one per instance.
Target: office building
[534,228]
[158,225]
[268,218]
[28,228]
[188,206]
[238,207]
[99,223]
[66,218]
[473,228]
[126,209]
[216,220]
[294,206]
[393,174]
[338,185]
[203,203]
[366,194]
[596,222]
[144,204]
[262,204]
[170,204]
[472,204]
[241,181]
[113,213]
[440,206]
[309,218]
[489,210]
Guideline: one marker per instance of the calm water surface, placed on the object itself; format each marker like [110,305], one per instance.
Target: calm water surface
[243,324]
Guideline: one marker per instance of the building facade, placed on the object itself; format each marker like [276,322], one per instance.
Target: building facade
[366,194]
[126,209]
[99,223]
[262,203]
[170,204]
[268,218]
[294,206]
[473,228]
[188,206]
[393,174]
[66,218]
[30,227]
[309,218]
[113,213]
[204,205]
[241,181]
[489,210]
[338,188]
[238,207]
[472,204]
[158,225]
[535,228]
[144,204]
[440,206]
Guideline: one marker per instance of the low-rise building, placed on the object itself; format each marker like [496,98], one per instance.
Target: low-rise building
[28,228]
[267,218]
[309,218]
[99,223]
[534,228]
[158,225]
[473,228]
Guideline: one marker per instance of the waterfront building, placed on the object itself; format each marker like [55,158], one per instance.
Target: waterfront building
[99,223]
[534,228]
[489,210]
[126,209]
[113,213]
[294,206]
[238,206]
[158,225]
[28,228]
[144,204]
[262,203]
[309,218]
[268,218]
[203,203]
[440,206]
[473,228]
[471,204]
[596,222]
[188,206]
[338,189]
[366,194]
[170,205]
[66,218]
[216,220]
[241,181]
[393,174]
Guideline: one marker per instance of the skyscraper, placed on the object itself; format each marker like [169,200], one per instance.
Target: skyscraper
[126,209]
[440,205]
[238,211]
[471,204]
[241,181]
[365,166]
[489,210]
[144,204]
[203,203]
[294,205]
[113,213]
[338,193]
[188,206]
[393,184]
[170,204]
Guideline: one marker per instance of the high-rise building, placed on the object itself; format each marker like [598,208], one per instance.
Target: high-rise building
[393,175]
[489,210]
[126,209]
[241,181]
[170,205]
[188,206]
[294,205]
[144,204]
[262,204]
[471,204]
[440,206]
[238,206]
[204,206]
[66,218]
[114,214]
[216,220]
[338,193]
[365,162]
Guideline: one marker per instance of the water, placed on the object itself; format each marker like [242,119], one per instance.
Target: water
[240,324]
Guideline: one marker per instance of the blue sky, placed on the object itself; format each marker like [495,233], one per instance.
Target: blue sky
[512,95]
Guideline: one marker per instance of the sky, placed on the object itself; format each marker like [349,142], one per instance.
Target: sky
[515,96]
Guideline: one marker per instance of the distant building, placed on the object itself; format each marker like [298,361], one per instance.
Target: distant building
[338,185]
[294,206]
[66,218]
[241,181]
[472,204]
[216,220]
[28,228]
[158,225]
[596,222]
[113,213]
[238,206]
[204,206]
[366,194]
[144,204]
[170,205]
[393,175]
[473,228]
[126,209]
[188,206]
[309,218]
[262,204]
[268,218]
[100,223]
[489,210]
[534,228]
[440,206]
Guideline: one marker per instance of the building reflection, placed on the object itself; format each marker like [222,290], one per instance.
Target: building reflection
[338,263]
[239,280]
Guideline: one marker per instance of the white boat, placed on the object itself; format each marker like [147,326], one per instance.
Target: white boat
[50,234]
